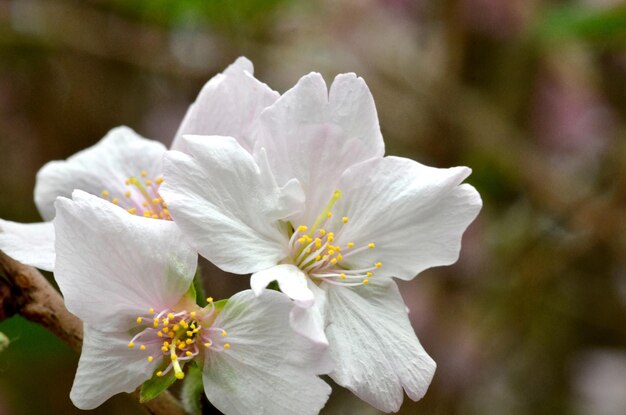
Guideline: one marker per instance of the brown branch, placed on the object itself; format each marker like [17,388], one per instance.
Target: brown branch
[24,291]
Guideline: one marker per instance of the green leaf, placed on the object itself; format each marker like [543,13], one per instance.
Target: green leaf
[156,385]
[197,284]
[191,393]
[575,22]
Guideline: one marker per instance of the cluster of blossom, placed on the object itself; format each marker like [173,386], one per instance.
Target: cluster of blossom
[291,188]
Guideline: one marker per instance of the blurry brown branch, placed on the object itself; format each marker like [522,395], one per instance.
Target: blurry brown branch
[24,291]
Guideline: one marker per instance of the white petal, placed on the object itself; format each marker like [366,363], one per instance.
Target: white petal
[29,243]
[112,266]
[268,369]
[227,105]
[226,205]
[107,367]
[313,135]
[414,214]
[291,280]
[310,321]
[373,343]
[122,153]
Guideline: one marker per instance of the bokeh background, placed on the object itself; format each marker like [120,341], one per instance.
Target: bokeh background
[529,93]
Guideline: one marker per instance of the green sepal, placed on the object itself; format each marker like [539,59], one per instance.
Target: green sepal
[191,293]
[192,390]
[156,385]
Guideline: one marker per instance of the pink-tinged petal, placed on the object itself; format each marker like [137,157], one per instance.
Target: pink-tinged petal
[105,166]
[112,266]
[108,367]
[313,135]
[268,368]
[29,243]
[414,214]
[291,281]
[227,105]
[374,346]
[227,205]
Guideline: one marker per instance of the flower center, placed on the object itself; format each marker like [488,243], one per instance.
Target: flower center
[178,336]
[313,250]
[142,197]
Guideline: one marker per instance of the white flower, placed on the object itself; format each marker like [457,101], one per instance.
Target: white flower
[316,206]
[127,277]
[125,168]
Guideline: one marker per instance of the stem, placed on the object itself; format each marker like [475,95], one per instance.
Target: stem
[24,291]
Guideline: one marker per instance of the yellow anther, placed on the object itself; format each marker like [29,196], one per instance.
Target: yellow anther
[142,347]
[176,327]
[366,282]
[209,300]
[192,314]
[369,274]
[159,373]
[132,210]
[378,264]
[329,214]
[342,276]
[317,258]
[150,358]
[322,232]
[192,325]
[189,333]
[151,311]
[333,261]
[350,244]
[184,324]
[308,250]
[127,193]
[339,257]
[174,357]
[148,182]
[344,219]
[331,252]
[166,329]
[166,344]
[139,320]
[144,204]
[182,345]
[223,333]
[105,194]
[131,345]
[303,228]
[188,341]
[337,248]
[160,333]
[146,214]
[331,237]
[143,173]
[166,322]
[164,205]
[115,201]
[207,345]
[159,180]
[371,245]
[227,346]
[170,316]
[302,240]
[318,242]
[180,375]
[155,216]
[188,353]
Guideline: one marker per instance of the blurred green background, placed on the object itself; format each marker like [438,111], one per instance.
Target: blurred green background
[529,93]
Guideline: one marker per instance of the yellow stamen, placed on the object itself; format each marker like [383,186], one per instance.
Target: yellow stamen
[142,347]
[378,264]
[344,219]
[139,320]
[350,244]
[131,345]
[227,346]
[105,194]
[371,245]
[150,358]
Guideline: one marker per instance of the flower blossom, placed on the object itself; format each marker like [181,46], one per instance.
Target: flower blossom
[308,199]
[128,279]
[125,168]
